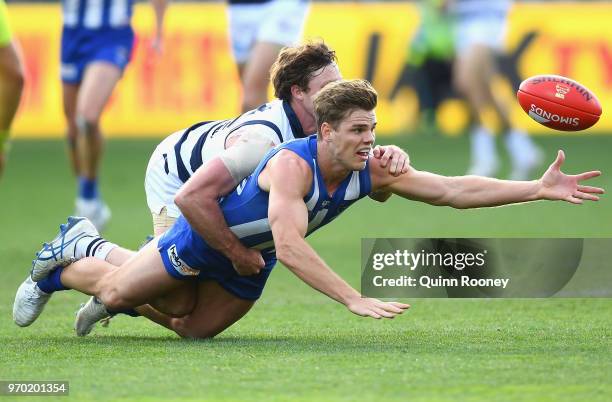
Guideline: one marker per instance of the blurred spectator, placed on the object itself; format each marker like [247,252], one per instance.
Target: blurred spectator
[480,27]
[97,41]
[430,59]
[258,31]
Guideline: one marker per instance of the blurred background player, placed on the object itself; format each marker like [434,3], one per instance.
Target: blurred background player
[480,27]
[11,82]
[97,41]
[430,59]
[259,29]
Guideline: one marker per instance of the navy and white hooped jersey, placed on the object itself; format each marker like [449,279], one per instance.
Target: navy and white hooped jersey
[187,150]
[246,212]
[97,14]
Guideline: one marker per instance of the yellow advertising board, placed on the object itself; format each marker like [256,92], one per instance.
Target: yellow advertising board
[195,78]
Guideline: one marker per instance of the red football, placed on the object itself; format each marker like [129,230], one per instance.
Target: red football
[558,102]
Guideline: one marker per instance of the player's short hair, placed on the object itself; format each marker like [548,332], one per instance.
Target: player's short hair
[295,66]
[338,99]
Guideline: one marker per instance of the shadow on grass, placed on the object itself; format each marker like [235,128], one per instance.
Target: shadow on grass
[333,342]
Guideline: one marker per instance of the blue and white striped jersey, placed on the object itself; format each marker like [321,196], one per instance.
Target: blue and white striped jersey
[246,211]
[97,14]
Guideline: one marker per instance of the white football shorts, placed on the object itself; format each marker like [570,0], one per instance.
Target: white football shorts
[161,181]
[277,21]
[481,22]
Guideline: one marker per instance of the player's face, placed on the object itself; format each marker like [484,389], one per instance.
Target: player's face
[320,78]
[354,138]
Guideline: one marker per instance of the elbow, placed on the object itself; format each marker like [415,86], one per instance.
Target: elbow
[184,198]
[381,196]
[181,200]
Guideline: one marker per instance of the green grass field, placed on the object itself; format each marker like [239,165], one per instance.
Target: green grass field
[296,344]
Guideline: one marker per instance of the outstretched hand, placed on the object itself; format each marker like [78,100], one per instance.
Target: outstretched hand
[556,185]
[367,307]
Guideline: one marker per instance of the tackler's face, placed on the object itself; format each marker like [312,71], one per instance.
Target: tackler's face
[353,138]
[318,80]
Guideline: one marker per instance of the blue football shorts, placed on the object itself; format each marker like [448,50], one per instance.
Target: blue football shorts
[185,255]
[80,47]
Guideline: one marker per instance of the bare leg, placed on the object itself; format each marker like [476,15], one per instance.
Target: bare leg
[98,83]
[216,310]
[70,92]
[176,303]
[472,74]
[141,279]
[474,71]
[255,74]
[11,87]
[119,256]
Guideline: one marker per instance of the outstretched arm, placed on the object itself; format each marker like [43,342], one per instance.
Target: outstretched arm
[476,191]
[288,178]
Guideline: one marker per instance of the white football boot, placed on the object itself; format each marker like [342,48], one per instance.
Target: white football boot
[95,210]
[29,303]
[61,251]
[88,315]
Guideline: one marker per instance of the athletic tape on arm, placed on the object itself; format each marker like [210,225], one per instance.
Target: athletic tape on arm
[242,158]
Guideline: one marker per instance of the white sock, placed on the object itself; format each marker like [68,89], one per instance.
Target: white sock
[521,148]
[483,147]
[96,247]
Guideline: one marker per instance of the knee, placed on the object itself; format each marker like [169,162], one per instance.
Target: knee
[71,133]
[87,123]
[113,300]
